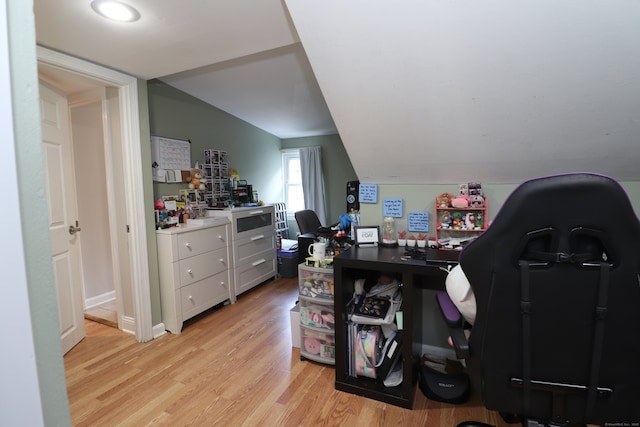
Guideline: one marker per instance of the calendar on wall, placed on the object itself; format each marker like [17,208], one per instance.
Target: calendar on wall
[169,154]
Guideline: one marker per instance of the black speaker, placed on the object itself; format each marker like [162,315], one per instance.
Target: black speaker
[353,188]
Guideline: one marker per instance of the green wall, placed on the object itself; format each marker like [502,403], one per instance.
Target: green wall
[37,248]
[254,153]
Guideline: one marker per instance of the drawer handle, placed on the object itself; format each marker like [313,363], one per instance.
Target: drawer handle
[222,260]
[258,237]
[220,237]
[189,272]
[188,245]
[260,261]
[190,297]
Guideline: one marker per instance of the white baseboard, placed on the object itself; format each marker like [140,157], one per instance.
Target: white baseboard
[128,325]
[158,330]
[99,300]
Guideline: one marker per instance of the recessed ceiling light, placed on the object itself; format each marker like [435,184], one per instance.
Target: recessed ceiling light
[115,10]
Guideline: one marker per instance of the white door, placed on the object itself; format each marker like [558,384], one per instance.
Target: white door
[65,241]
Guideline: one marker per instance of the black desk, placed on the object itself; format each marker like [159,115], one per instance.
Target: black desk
[357,263]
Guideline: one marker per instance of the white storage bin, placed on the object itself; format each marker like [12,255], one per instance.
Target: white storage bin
[315,282]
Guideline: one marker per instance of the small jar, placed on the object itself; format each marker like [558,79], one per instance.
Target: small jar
[389,235]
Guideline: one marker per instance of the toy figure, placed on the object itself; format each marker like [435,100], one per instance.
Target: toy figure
[445,219]
[457,220]
[469,221]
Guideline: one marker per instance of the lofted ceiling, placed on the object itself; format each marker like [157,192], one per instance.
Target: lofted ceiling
[242,56]
[421,91]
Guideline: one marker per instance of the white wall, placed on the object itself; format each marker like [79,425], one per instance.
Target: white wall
[427,91]
[91,189]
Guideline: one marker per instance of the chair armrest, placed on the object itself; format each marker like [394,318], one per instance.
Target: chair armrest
[455,324]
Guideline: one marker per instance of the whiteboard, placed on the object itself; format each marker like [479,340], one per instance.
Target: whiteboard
[168,153]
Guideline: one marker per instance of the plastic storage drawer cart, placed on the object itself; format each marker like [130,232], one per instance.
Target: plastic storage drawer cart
[317,319]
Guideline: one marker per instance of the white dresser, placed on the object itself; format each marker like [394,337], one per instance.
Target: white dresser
[254,247]
[195,264]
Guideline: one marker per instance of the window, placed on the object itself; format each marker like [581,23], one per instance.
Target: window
[292,181]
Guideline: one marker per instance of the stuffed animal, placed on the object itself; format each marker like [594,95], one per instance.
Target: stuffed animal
[461,201]
[312,345]
[197,179]
[476,201]
[444,200]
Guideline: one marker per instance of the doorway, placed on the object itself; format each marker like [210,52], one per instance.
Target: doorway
[94,140]
[126,223]
[90,122]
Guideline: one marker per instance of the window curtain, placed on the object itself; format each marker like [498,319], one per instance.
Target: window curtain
[313,181]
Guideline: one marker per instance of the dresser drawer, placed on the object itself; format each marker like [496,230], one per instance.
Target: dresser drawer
[201,295]
[259,269]
[247,248]
[200,266]
[198,242]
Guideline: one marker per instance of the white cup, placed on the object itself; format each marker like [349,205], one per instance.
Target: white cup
[316,250]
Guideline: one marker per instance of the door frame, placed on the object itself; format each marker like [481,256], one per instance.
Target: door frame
[133,175]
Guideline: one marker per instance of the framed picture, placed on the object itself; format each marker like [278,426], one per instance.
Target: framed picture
[367,235]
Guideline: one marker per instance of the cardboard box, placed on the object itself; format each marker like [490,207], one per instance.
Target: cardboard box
[295,326]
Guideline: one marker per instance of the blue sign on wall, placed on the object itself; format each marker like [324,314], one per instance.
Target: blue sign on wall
[368,193]
[418,221]
[393,208]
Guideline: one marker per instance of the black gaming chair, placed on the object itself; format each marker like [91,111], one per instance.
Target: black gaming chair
[308,221]
[557,286]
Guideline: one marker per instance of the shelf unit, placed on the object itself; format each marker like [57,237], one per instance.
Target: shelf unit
[317,330]
[357,263]
[282,224]
[455,226]
[216,170]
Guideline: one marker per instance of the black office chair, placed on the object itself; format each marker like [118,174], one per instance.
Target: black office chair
[556,279]
[308,221]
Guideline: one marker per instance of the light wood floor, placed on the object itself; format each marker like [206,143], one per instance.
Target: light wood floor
[106,314]
[233,366]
